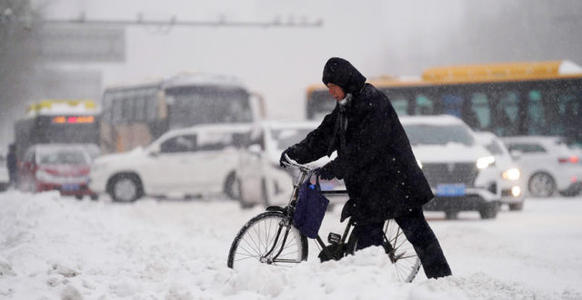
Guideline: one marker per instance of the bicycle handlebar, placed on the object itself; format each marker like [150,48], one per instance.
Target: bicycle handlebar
[303,168]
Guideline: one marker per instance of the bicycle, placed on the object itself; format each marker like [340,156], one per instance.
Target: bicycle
[271,238]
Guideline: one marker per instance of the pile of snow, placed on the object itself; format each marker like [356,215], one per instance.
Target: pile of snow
[55,247]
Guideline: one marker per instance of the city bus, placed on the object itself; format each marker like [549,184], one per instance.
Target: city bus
[508,99]
[136,114]
[63,121]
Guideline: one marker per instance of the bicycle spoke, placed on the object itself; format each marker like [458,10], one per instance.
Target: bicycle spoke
[247,251]
[251,246]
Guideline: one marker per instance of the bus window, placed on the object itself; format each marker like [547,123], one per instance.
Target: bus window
[319,104]
[400,104]
[151,105]
[139,108]
[424,105]
[452,105]
[480,110]
[535,113]
[117,109]
[507,113]
[566,113]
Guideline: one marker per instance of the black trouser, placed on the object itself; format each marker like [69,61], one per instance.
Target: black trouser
[418,233]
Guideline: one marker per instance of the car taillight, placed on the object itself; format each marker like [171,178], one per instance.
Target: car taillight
[571,159]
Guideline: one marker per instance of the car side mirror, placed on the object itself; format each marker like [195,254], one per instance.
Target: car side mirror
[516,154]
[154,153]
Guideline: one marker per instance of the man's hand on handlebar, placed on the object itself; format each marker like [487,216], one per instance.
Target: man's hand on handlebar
[283,161]
[325,172]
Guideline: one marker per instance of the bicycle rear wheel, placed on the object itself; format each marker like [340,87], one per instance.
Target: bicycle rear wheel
[400,252]
[267,239]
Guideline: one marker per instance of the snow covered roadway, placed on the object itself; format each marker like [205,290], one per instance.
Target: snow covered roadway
[54,247]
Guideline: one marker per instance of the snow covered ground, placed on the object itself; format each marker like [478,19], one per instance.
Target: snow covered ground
[54,247]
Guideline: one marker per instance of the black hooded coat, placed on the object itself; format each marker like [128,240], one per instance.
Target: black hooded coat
[379,169]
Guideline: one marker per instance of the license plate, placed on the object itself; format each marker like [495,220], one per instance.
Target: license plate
[450,190]
[71,187]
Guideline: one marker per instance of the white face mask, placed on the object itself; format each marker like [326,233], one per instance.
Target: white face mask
[345,100]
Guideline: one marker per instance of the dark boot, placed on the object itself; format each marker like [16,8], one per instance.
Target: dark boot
[433,261]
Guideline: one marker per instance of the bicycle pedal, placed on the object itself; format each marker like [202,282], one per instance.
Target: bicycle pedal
[334,238]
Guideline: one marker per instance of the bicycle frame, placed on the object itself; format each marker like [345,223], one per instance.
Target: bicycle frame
[290,209]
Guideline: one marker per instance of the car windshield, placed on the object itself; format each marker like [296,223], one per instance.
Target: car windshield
[68,157]
[289,137]
[424,134]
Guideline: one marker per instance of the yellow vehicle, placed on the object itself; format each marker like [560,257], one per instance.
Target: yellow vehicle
[63,121]
[136,114]
[529,98]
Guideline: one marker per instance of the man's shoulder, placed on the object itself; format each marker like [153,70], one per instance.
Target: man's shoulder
[371,97]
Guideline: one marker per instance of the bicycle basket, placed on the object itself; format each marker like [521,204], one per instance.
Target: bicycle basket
[310,208]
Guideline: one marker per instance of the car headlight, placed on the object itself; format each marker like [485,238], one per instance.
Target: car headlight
[485,162]
[511,174]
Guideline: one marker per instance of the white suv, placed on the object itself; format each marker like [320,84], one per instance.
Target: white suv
[186,162]
[547,164]
[461,172]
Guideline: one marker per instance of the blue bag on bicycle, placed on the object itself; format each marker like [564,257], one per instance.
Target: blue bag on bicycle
[310,208]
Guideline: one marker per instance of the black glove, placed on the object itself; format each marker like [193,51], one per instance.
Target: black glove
[325,172]
[282,160]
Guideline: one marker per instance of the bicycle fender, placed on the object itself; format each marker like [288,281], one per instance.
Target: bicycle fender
[276,208]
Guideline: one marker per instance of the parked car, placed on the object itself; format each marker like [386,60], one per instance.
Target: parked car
[461,172]
[260,178]
[4,178]
[185,162]
[61,167]
[548,165]
[512,184]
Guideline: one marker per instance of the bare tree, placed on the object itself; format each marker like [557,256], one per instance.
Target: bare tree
[19,28]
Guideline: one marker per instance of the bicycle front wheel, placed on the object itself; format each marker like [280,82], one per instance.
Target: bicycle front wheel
[267,239]
[400,252]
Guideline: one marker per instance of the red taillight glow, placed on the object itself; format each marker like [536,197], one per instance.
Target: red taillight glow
[571,159]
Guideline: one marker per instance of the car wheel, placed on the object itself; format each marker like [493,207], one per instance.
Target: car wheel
[231,187]
[489,210]
[451,214]
[541,185]
[516,206]
[79,197]
[126,188]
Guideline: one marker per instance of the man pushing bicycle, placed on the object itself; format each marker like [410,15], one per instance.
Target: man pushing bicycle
[375,160]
